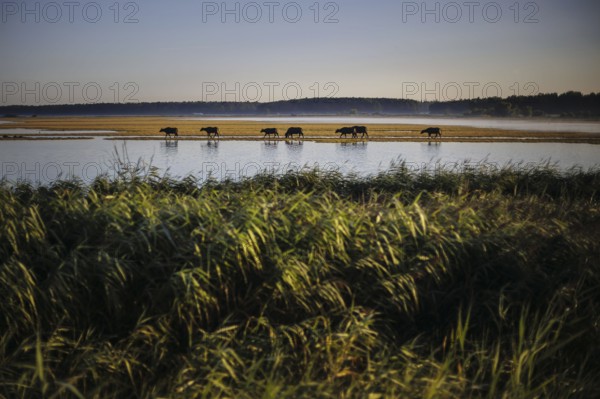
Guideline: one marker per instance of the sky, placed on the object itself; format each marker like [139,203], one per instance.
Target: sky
[154,50]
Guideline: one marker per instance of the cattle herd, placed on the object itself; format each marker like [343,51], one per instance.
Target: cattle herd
[353,132]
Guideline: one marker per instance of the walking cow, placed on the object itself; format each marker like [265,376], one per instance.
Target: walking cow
[170,131]
[345,131]
[432,131]
[270,132]
[211,131]
[294,131]
[360,130]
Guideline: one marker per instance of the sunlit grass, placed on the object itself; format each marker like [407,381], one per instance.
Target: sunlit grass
[451,284]
[148,128]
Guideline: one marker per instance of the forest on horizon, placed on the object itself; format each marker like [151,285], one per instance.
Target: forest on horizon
[567,105]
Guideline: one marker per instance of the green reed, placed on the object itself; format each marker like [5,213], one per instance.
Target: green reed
[472,283]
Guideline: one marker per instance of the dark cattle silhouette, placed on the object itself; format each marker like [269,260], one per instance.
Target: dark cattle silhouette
[211,131]
[270,132]
[345,131]
[432,131]
[293,131]
[360,130]
[170,131]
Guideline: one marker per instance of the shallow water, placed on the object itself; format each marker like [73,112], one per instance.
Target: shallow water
[42,162]
[507,124]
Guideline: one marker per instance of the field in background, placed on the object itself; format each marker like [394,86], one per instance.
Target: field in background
[148,127]
[309,285]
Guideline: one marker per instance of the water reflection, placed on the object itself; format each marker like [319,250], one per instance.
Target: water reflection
[169,147]
[354,145]
[294,144]
[294,150]
[432,146]
[355,150]
[210,149]
[270,147]
[38,161]
[352,154]
[213,146]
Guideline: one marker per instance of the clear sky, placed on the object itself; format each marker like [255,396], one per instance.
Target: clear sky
[183,50]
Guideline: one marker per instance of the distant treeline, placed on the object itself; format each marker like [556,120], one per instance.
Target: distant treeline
[570,104]
[320,106]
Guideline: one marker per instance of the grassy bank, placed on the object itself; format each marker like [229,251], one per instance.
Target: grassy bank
[470,284]
[148,127]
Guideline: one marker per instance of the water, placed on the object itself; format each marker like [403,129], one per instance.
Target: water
[43,162]
[482,123]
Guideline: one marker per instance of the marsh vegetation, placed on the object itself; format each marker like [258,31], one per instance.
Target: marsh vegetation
[453,284]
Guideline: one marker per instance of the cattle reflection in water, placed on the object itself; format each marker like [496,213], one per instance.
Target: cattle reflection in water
[169,146]
[211,148]
[271,143]
[354,144]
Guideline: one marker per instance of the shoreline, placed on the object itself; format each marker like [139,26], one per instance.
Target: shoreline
[137,128]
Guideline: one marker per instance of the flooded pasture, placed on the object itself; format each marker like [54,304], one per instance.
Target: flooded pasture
[43,162]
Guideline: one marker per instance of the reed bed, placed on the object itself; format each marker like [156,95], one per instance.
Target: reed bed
[480,284]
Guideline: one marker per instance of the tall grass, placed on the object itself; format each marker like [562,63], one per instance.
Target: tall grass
[456,284]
